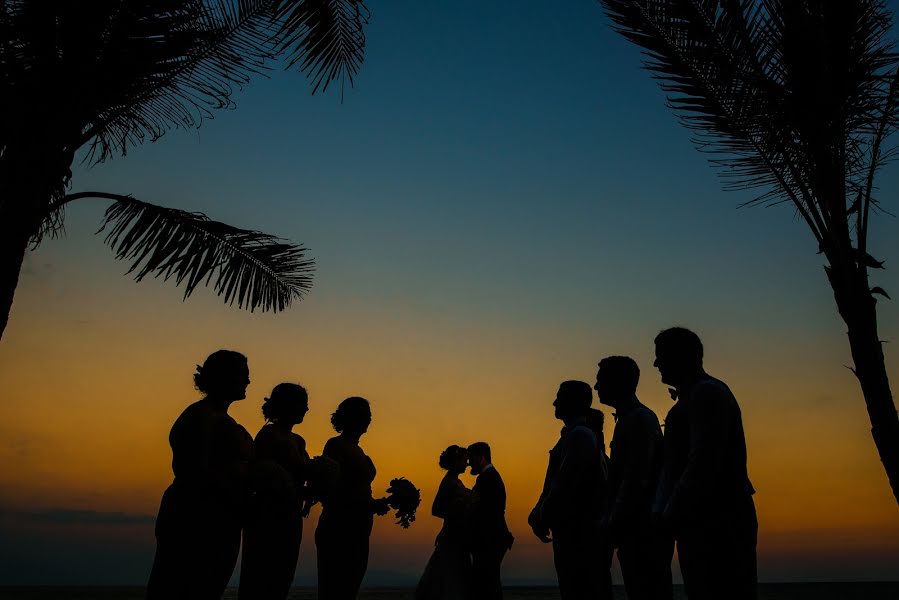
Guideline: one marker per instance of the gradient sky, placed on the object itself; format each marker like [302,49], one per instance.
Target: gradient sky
[501,201]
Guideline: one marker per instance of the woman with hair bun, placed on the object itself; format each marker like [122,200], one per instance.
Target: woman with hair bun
[447,575]
[274,527]
[344,527]
[199,522]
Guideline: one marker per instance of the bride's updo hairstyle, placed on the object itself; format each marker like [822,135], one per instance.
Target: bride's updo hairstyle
[451,457]
[354,413]
[287,401]
[218,369]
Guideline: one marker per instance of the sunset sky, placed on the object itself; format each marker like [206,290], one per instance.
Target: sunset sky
[501,201]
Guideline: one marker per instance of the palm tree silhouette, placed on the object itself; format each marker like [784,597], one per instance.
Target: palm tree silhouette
[100,77]
[796,98]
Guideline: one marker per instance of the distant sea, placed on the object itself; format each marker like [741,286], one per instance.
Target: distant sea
[767,591]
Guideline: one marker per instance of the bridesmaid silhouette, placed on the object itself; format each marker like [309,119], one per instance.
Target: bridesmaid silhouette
[344,527]
[448,573]
[274,527]
[198,526]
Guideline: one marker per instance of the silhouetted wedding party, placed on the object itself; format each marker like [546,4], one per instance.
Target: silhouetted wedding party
[688,487]
[358,300]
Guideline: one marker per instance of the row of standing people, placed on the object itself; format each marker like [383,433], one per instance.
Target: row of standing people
[228,485]
[688,487]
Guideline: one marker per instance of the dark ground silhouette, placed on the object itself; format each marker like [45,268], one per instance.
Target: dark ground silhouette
[767,591]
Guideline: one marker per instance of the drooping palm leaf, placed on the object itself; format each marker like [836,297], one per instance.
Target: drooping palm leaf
[252,268]
[169,64]
[114,73]
[326,38]
[786,94]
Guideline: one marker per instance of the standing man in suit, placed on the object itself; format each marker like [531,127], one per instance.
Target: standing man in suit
[490,536]
[704,495]
[644,553]
[570,508]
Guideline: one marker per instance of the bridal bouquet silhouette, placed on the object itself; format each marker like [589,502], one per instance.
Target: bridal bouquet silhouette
[404,498]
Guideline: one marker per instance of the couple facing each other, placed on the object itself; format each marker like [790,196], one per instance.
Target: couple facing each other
[474,538]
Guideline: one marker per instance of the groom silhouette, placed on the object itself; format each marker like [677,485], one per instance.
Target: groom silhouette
[490,536]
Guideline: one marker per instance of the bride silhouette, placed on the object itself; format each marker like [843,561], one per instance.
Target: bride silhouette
[447,575]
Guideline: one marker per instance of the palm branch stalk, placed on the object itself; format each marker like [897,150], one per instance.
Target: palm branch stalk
[97,78]
[797,99]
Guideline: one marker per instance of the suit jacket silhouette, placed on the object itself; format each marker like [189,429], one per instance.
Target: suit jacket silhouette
[487,519]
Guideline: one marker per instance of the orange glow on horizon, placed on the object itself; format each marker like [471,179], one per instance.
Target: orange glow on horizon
[87,411]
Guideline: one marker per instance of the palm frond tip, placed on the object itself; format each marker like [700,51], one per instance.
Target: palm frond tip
[325,37]
[254,269]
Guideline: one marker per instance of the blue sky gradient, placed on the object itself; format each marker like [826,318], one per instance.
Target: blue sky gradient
[502,199]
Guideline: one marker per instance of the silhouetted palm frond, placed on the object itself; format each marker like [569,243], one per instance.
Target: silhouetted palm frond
[325,37]
[169,63]
[113,74]
[787,94]
[254,269]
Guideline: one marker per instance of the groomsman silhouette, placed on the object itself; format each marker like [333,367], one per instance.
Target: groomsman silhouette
[490,536]
[704,495]
[636,457]
[570,508]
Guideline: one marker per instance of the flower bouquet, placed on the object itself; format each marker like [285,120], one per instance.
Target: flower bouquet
[404,498]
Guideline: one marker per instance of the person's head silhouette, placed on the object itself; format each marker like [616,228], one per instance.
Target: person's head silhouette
[454,459]
[287,404]
[678,356]
[223,377]
[572,400]
[479,457]
[616,381]
[352,417]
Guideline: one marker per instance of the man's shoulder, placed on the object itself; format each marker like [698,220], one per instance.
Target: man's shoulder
[492,474]
[711,389]
[580,434]
[490,478]
[640,419]
[639,414]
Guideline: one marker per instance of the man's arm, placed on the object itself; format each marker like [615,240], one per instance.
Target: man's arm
[535,518]
[640,448]
[709,429]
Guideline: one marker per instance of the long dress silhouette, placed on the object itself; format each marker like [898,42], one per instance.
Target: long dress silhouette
[274,526]
[199,521]
[345,524]
[447,575]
